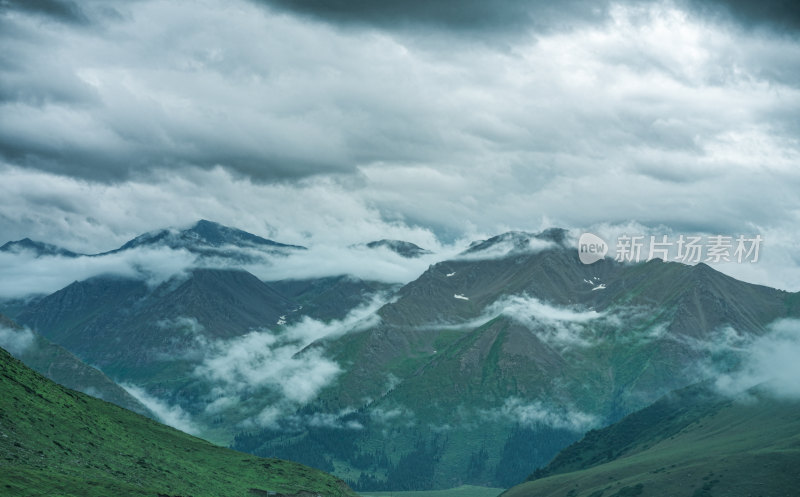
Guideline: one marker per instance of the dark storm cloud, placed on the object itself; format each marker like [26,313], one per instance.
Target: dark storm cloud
[509,16]
[61,10]
[352,121]
[165,85]
[781,14]
[466,15]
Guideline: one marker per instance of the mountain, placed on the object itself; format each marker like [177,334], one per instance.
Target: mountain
[62,367]
[57,441]
[210,239]
[480,370]
[405,249]
[516,347]
[516,242]
[130,330]
[331,297]
[691,442]
[205,238]
[39,249]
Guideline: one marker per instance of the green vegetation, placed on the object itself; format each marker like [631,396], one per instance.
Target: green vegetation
[55,441]
[691,443]
[60,365]
[462,491]
[504,393]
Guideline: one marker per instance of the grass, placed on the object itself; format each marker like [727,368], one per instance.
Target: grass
[730,449]
[58,442]
[462,491]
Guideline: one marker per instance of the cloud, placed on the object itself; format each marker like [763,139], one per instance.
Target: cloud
[391,415]
[331,420]
[568,327]
[171,415]
[557,326]
[23,274]
[92,217]
[538,414]
[469,16]
[16,341]
[361,262]
[769,361]
[60,10]
[773,13]
[503,245]
[258,360]
[277,361]
[516,16]
[185,323]
[282,124]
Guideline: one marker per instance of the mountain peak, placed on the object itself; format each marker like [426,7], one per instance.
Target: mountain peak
[518,241]
[38,248]
[555,235]
[205,235]
[406,249]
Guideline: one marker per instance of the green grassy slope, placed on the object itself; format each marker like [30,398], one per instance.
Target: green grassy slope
[462,491]
[60,365]
[55,441]
[690,443]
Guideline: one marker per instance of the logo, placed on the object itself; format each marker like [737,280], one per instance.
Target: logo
[591,248]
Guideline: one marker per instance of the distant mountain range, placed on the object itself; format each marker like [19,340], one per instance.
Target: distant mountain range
[37,248]
[478,371]
[205,238]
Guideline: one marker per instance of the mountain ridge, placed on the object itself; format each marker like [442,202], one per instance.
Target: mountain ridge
[40,249]
[514,330]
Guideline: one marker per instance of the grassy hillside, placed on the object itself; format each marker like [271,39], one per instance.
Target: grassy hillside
[462,491]
[56,441]
[690,443]
[60,365]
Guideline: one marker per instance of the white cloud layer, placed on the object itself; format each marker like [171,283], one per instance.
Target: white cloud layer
[277,361]
[24,274]
[157,113]
[560,327]
[14,341]
[373,264]
[769,360]
[171,415]
[537,413]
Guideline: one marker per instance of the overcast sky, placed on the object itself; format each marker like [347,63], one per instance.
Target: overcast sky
[336,122]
